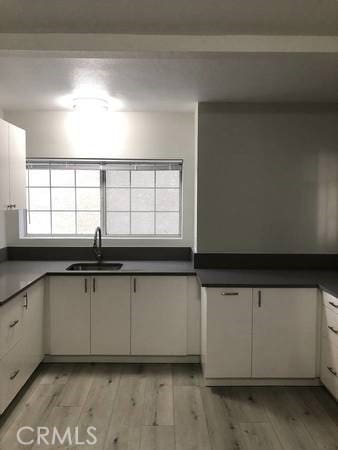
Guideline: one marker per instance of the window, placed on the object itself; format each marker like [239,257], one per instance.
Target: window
[125,198]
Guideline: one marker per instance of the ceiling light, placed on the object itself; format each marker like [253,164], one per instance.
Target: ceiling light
[87,104]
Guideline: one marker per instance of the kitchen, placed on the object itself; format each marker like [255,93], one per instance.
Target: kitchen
[168,228]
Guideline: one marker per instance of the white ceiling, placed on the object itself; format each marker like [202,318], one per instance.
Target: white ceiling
[28,83]
[171,16]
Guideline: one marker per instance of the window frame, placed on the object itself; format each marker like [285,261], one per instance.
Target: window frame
[100,164]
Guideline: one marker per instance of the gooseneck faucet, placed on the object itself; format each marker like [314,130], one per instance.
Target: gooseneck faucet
[98,248]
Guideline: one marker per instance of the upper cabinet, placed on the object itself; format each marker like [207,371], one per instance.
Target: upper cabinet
[4,165]
[12,166]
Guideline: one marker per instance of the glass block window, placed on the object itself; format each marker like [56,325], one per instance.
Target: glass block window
[125,198]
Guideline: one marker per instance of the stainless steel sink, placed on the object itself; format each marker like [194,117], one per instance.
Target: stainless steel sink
[95,266]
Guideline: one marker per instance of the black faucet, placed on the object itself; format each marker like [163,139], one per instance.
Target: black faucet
[98,248]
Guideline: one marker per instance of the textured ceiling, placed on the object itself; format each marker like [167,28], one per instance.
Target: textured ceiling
[169,84]
[171,16]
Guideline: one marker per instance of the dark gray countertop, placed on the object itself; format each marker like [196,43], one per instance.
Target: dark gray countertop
[16,276]
[323,279]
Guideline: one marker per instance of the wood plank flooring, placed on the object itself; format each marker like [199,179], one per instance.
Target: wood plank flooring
[166,407]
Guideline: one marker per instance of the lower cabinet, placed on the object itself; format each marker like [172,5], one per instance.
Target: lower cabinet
[24,348]
[259,333]
[284,338]
[120,315]
[110,315]
[159,315]
[226,332]
[329,344]
[69,315]
[33,326]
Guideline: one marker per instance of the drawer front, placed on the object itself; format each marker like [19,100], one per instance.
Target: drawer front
[229,293]
[13,375]
[330,326]
[329,367]
[11,318]
[330,302]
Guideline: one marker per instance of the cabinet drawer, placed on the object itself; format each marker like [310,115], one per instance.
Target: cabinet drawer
[13,375]
[330,302]
[329,367]
[330,326]
[11,317]
[229,293]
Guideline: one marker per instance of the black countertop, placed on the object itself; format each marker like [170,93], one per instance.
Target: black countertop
[16,276]
[326,280]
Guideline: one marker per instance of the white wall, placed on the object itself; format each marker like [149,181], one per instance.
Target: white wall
[115,135]
[267,178]
[3,242]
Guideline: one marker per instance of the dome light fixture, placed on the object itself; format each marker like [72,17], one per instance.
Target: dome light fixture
[90,104]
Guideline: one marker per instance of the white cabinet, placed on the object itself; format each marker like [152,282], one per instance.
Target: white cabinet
[22,348]
[194,317]
[284,333]
[259,333]
[110,315]
[329,344]
[89,315]
[11,324]
[33,326]
[17,167]
[159,315]
[12,166]
[226,332]
[69,315]
[4,166]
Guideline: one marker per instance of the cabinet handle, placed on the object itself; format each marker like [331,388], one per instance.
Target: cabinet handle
[332,371]
[259,299]
[12,324]
[134,284]
[86,285]
[333,330]
[25,304]
[229,293]
[94,284]
[333,304]
[14,374]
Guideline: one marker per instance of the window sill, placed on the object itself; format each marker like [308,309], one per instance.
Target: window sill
[104,238]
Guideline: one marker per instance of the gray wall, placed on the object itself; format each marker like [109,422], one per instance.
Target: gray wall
[267,178]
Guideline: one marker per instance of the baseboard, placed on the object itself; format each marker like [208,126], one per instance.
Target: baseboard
[190,359]
[262,382]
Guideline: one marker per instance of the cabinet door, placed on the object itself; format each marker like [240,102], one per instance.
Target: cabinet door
[159,315]
[226,332]
[284,333]
[110,315]
[194,317]
[69,315]
[33,337]
[17,167]
[4,166]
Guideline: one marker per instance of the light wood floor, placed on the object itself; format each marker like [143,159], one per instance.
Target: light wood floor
[164,407]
